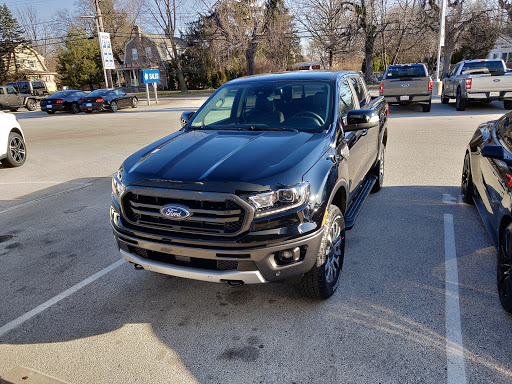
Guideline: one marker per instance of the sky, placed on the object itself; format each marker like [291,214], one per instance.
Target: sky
[46,8]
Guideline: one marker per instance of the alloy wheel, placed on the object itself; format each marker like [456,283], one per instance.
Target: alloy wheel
[333,252]
[17,149]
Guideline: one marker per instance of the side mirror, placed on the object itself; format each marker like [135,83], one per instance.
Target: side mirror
[185,117]
[361,119]
[493,152]
[380,78]
[444,76]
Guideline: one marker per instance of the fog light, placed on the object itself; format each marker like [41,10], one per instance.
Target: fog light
[289,255]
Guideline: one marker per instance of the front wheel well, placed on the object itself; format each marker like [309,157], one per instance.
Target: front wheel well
[340,199]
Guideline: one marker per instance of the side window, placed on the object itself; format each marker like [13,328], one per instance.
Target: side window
[360,91]
[11,91]
[1,91]
[345,99]
[455,70]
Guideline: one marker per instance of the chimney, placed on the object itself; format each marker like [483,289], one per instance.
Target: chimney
[136,31]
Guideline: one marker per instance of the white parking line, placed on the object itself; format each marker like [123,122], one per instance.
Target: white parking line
[80,186]
[27,316]
[456,370]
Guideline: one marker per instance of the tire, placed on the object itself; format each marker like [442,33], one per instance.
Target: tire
[135,102]
[75,108]
[444,99]
[323,279]
[507,104]
[504,270]
[16,150]
[13,109]
[113,106]
[426,107]
[50,112]
[460,103]
[31,105]
[466,185]
[379,169]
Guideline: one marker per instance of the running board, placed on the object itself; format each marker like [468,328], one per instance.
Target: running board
[357,204]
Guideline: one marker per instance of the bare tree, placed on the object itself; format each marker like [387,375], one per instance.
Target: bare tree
[165,14]
[460,15]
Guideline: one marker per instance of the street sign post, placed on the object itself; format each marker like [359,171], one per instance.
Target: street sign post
[150,76]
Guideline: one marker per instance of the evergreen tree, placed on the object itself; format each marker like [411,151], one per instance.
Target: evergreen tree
[79,61]
[11,36]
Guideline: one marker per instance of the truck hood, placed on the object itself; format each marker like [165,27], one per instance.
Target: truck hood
[245,160]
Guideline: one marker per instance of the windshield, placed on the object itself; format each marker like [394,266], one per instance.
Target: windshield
[274,105]
[98,92]
[62,94]
[481,67]
[396,72]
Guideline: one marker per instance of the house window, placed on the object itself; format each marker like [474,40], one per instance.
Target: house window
[135,56]
[32,63]
[148,52]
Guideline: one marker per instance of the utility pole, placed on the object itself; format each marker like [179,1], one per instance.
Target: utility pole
[98,15]
[442,16]
[99,25]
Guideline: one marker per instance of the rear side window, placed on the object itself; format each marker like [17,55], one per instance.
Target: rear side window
[399,71]
[360,90]
[1,91]
[37,85]
[345,99]
[482,67]
[11,91]
[505,132]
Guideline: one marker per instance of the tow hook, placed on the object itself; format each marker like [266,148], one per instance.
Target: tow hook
[235,283]
[138,267]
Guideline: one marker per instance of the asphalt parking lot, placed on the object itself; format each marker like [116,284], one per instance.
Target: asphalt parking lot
[417,302]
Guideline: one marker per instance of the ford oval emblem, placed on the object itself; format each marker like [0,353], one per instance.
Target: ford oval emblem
[496,80]
[175,212]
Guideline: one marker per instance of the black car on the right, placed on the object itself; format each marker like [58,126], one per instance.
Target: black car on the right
[487,182]
[108,99]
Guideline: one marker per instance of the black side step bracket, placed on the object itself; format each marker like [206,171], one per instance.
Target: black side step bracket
[357,204]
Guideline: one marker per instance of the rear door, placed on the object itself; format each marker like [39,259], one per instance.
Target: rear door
[371,135]
[356,140]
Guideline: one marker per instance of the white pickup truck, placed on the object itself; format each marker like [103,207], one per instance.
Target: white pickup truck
[477,80]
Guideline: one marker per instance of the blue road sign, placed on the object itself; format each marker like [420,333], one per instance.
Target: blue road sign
[149,76]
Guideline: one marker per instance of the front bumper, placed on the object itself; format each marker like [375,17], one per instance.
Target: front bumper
[254,265]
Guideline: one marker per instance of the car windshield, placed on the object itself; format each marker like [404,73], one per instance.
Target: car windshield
[481,67]
[98,92]
[272,105]
[62,94]
[396,72]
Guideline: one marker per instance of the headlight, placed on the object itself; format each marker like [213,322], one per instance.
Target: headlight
[117,186]
[280,200]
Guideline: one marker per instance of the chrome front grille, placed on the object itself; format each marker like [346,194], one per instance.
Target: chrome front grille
[213,214]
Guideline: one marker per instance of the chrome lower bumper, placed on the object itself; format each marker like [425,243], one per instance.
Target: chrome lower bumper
[247,277]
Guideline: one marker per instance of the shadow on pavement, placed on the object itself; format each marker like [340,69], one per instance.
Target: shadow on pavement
[386,321]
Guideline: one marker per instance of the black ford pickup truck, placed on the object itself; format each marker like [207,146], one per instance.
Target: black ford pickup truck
[259,185]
